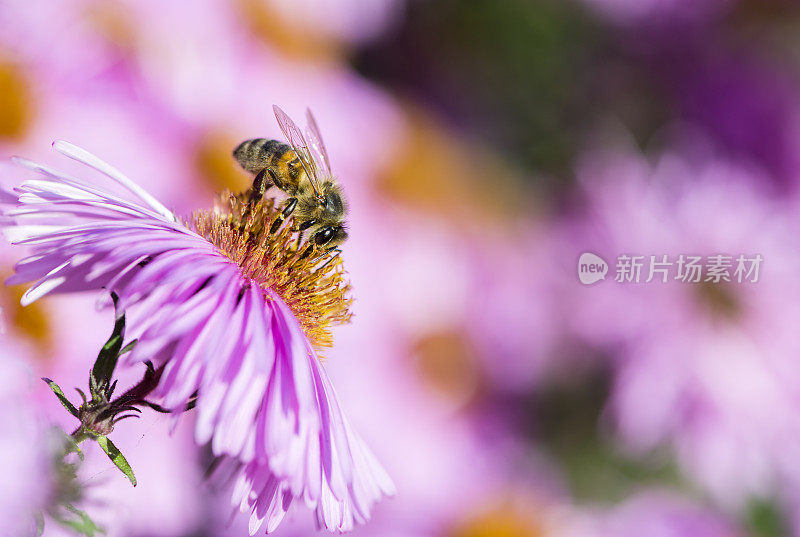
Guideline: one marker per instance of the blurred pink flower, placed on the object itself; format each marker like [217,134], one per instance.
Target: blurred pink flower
[647,514]
[69,50]
[214,52]
[706,366]
[24,462]
[349,21]
[285,427]
[518,293]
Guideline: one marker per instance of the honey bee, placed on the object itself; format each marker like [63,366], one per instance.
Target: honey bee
[302,170]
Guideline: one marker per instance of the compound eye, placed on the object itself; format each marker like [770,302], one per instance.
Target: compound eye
[323,235]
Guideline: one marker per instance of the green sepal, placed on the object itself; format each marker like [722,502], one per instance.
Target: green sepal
[84,525]
[117,457]
[61,397]
[107,358]
[129,347]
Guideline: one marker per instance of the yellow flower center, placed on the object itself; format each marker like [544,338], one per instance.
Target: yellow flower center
[31,322]
[310,280]
[16,108]
[721,300]
[502,520]
[447,361]
[288,36]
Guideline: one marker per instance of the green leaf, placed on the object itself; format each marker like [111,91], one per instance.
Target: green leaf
[116,457]
[61,397]
[84,525]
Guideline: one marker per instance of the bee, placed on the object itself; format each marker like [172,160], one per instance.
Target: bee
[302,170]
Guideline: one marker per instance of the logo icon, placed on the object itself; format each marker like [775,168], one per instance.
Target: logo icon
[591,268]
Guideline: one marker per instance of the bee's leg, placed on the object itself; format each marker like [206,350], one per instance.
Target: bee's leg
[275,179]
[309,250]
[288,208]
[302,227]
[260,186]
[307,224]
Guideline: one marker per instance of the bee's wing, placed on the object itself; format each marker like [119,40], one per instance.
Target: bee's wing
[315,143]
[298,143]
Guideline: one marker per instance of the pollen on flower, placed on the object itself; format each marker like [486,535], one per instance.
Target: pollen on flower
[311,281]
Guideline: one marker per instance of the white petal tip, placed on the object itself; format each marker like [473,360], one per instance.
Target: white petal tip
[254,524]
[25,163]
[27,300]
[63,146]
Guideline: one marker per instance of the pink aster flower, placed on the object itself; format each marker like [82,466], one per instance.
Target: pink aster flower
[650,513]
[709,368]
[351,21]
[26,481]
[224,308]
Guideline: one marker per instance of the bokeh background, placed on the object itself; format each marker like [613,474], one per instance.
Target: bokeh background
[484,145]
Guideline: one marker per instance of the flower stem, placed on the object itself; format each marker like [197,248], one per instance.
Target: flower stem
[80,434]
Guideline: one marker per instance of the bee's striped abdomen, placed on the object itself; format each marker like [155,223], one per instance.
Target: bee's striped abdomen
[257,154]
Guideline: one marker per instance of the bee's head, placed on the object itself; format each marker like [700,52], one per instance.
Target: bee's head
[332,202]
[329,217]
